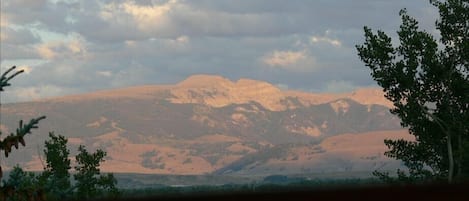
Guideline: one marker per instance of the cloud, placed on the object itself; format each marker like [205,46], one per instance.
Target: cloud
[17,52]
[329,37]
[35,92]
[3,20]
[19,36]
[170,19]
[39,14]
[283,58]
[104,73]
[75,47]
[16,43]
[31,4]
[146,17]
[319,39]
[290,60]
[46,51]
[81,46]
[182,39]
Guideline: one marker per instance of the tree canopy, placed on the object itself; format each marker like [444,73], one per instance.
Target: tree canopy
[54,183]
[14,139]
[427,81]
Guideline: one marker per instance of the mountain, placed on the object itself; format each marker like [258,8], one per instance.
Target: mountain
[210,124]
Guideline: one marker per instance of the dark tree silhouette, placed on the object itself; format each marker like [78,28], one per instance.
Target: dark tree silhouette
[429,87]
[14,139]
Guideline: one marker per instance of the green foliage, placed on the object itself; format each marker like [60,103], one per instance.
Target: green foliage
[89,181]
[5,78]
[55,182]
[56,178]
[15,138]
[429,87]
[57,153]
[22,185]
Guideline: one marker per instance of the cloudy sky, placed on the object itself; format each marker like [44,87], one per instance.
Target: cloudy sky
[76,46]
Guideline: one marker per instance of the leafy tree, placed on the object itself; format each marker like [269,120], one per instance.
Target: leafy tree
[89,181]
[429,87]
[56,178]
[54,183]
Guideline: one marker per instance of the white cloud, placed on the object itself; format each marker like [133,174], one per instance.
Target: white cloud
[147,18]
[170,19]
[46,51]
[74,48]
[283,58]
[290,60]
[324,39]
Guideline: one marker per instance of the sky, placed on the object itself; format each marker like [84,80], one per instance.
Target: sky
[78,46]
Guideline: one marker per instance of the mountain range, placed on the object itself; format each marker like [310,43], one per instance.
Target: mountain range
[208,124]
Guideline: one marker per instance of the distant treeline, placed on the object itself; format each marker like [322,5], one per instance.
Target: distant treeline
[274,183]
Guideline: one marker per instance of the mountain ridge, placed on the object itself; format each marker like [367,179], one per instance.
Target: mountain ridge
[208,123]
[219,91]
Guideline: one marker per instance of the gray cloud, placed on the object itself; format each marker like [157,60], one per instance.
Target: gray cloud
[19,36]
[89,45]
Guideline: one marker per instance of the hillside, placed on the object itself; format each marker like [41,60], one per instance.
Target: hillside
[209,124]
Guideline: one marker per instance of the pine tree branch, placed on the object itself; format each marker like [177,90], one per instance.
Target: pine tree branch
[5,78]
[18,138]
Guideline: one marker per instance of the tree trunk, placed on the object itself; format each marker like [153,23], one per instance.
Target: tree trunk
[450,159]
[460,153]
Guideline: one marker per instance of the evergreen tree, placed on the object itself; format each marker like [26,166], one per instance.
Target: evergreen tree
[429,87]
[23,186]
[14,139]
[55,180]
[18,191]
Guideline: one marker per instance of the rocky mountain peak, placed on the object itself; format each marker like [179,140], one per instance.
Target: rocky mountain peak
[204,80]
[218,91]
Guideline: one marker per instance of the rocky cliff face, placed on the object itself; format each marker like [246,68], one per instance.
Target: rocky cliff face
[217,91]
[209,124]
